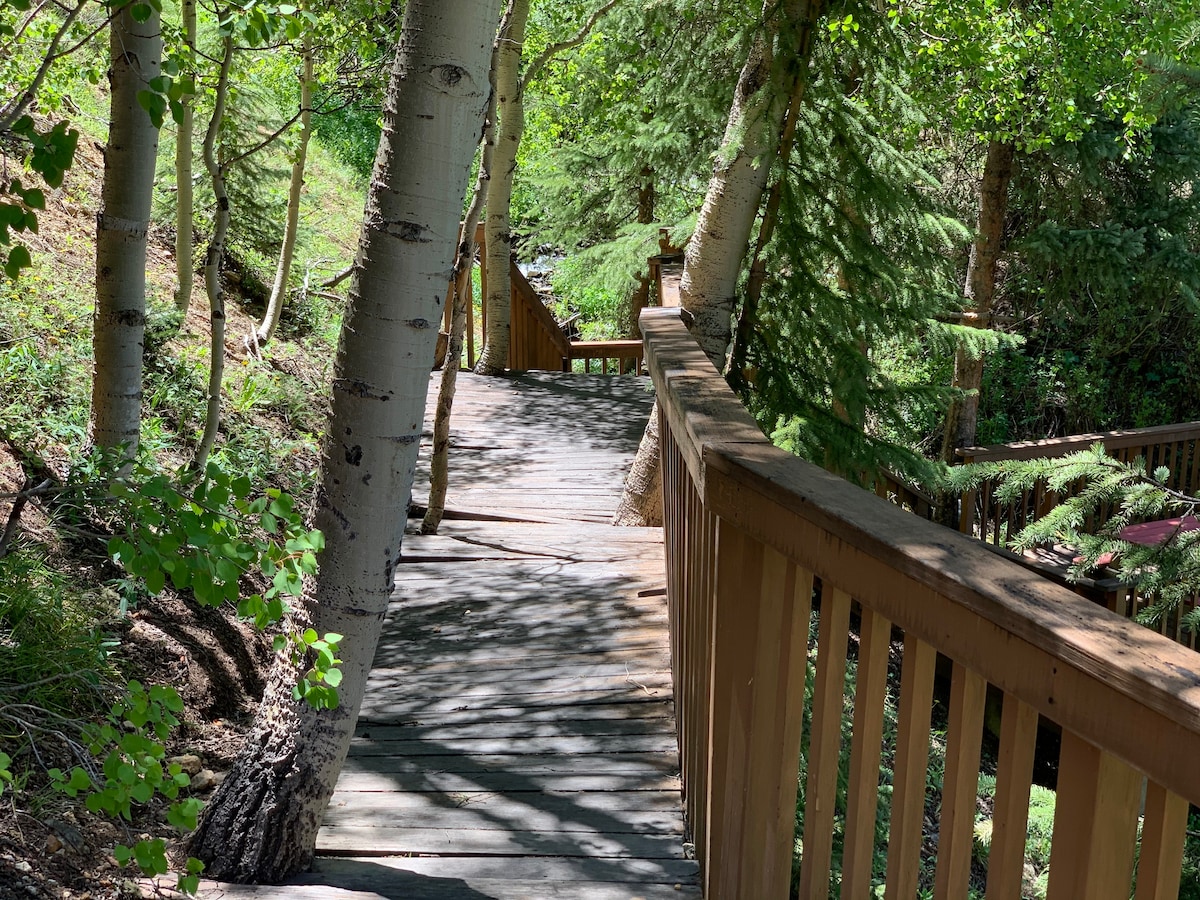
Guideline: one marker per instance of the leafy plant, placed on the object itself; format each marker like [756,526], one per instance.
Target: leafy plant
[131,742]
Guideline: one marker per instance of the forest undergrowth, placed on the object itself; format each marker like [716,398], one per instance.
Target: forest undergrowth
[74,628]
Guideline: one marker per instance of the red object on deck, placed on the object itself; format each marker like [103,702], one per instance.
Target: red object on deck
[1151,533]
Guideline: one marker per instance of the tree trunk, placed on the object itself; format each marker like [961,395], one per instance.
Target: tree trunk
[439,461]
[185,196]
[641,503]
[213,260]
[497,236]
[262,823]
[714,255]
[266,330]
[121,225]
[962,418]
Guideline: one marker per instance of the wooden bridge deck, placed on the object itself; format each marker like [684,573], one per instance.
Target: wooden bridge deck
[517,737]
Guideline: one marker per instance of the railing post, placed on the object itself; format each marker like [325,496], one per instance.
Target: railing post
[759,649]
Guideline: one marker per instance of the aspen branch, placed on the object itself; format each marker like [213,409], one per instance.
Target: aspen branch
[14,514]
[574,41]
[16,110]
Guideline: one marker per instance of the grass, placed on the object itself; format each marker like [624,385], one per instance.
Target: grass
[55,651]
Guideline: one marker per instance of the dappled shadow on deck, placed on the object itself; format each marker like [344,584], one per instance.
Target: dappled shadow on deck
[517,737]
[539,445]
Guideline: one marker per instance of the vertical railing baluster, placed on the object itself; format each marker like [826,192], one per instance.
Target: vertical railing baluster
[1164,831]
[824,744]
[912,766]
[1095,824]
[960,785]
[862,800]
[1010,810]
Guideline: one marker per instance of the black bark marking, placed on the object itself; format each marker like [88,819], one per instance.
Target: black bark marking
[131,318]
[451,75]
[407,231]
[418,323]
[357,389]
[354,455]
[366,479]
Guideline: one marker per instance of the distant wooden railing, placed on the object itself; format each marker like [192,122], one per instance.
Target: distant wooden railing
[1177,447]
[755,540]
[536,340]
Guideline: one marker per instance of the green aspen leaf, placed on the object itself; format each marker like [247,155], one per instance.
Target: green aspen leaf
[122,854]
[333,677]
[241,487]
[34,198]
[18,259]
[142,792]
[80,780]
[141,12]
[155,581]
[310,636]
[332,638]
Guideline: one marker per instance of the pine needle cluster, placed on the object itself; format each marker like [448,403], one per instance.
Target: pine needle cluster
[1097,496]
[862,255]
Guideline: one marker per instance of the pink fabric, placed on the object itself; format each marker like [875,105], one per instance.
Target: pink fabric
[1151,533]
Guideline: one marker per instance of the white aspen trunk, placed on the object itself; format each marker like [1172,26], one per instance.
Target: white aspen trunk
[714,255]
[266,330]
[120,317]
[213,260]
[185,195]
[262,823]
[497,236]
[439,460]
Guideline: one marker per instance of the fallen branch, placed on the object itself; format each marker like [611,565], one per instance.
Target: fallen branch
[14,514]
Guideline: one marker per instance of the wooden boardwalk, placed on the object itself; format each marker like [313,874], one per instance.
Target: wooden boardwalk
[517,738]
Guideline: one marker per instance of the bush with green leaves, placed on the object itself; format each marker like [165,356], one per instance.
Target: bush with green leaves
[208,535]
[131,742]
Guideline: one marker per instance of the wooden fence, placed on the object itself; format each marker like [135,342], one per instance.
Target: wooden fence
[537,341]
[1177,447]
[756,540]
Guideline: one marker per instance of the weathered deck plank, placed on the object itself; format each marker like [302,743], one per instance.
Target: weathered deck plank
[517,737]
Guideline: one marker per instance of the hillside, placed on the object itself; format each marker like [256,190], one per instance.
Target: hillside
[74,629]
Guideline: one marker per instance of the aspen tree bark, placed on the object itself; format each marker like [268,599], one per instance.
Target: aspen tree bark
[262,823]
[713,260]
[497,236]
[464,262]
[510,88]
[213,260]
[185,195]
[120,317]
[266,330]
[962,418]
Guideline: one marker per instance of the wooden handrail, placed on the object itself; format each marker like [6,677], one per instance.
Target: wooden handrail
[1113,440]
[755,539]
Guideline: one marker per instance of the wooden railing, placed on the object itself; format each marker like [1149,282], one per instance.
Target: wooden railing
[1177,447]
[537,341]
[756,539]
[611,357]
